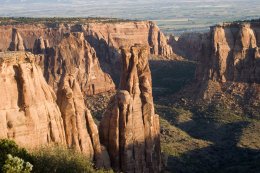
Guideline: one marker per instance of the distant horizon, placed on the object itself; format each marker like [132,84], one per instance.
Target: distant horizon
[172,16]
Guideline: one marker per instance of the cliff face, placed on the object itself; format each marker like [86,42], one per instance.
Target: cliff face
[233,54]
[74,55]
[108,38]
[191,46]
[228,70]
[105,38]
[30,115]
[130,128]
[80,130]
[28,110]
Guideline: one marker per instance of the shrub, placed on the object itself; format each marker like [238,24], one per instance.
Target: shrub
[10,147]
[45,160]
[60,160]
[16,165]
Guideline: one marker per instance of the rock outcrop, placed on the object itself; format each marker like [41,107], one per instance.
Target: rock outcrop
[130,128]
[17,43]
[28,110]
[191,46]
[106,38]
[80,130]
[74,55]
[228,69]
[234,54]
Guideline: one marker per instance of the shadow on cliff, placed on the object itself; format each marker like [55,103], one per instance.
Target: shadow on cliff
[109,57]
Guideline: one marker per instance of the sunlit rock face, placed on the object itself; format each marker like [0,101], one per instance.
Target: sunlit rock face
[106,39]
[81,132]
[28,110]
[74,55]
[130,128]
[233,54]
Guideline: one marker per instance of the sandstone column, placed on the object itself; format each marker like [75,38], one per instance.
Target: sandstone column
[130,128]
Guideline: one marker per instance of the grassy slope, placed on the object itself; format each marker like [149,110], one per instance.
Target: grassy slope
[205,138]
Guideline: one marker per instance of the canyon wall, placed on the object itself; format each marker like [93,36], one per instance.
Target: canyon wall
[191,46]
[62,50]
[233,54]
[106,38]
[50,107]
[228,70]
[31,116]
[130,128]
[28,110]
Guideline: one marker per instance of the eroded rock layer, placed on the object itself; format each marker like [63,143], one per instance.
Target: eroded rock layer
[228,69]
[80,130]
[234,54]
[74,55]
[28,110]
[130,128]
[106,38]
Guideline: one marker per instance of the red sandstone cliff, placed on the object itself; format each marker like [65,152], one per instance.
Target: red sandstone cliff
[105,38]
[28,110]
[228,70]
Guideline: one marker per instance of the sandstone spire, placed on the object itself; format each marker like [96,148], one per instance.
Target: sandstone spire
[80,130]
[28,110]
[130,128]
[17,43]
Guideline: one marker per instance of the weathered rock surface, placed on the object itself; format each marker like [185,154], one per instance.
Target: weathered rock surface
[191,46]
[130,128]
[228,70]
[28,110]
[234,54]
[108,38]
[74,55]
[17,43]
[105,38]
[80,130]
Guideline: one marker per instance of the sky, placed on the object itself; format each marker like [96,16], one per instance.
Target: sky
[171,15]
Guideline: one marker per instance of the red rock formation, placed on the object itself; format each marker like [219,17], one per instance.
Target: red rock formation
[109,37]
[228,70]
[190,45]
[106,38]
[80,130]
[28,110]
[130,128]
[234,54]
[74,55]
[17,43]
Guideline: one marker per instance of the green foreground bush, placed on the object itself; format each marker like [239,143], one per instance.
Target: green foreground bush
[49,160]
[16,165]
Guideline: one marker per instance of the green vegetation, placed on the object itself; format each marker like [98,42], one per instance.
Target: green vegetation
[58,20]
[10,147]
[58,159]
[45,160]
[16,165]
[201,137]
